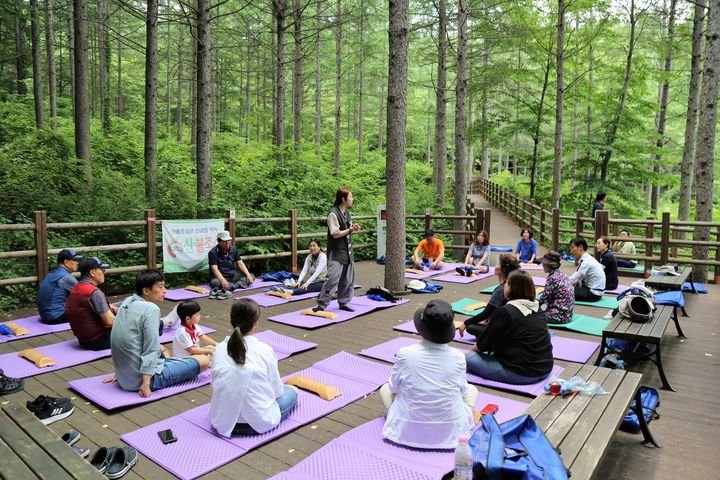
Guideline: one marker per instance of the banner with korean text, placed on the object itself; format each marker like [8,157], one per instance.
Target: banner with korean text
[186,243]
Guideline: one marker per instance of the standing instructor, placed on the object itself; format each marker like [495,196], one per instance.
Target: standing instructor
[340,265]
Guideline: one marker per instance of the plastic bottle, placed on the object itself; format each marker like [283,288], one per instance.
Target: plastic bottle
[463,460]
[620,365]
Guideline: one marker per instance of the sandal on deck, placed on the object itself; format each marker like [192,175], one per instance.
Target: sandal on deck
[122,461]
[10,384]
[102,458]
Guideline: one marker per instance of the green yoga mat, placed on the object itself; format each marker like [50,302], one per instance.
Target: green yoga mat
[583,324]
[604,302]
[636,268]
[489,289]
[460,304]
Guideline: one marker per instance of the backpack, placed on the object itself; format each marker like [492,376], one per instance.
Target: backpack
[637,308]
[650,400]
[424,286]
[278,276]
[517,449]
[383,293]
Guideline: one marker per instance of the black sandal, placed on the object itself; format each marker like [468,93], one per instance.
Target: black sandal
[121,462]
[102,458]
[10,384]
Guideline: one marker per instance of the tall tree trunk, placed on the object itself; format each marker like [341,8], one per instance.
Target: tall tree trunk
[260,93]
[120,101]
[318,79]
[381,111]
[36,64]
[297,92]
[484,154]
[20,52]
[50,49]
[247,91]
[460,122]
[92,68]
[279,11]
[71,52]
[361,84]
[588,120]
[264,89]
[428,158]
[538,123]
[192,118]
[179,103]
[151,59]
[615,123]
[574,158]
[395,159]
[559,104]
[441,106]
[202,136]
[662,114]
[705,150]
[104,55]
[471,149]
[168,69]
[687,167]
[338,78]
[82,107]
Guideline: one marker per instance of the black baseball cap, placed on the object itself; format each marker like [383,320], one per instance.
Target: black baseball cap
[68,254]
[91,263]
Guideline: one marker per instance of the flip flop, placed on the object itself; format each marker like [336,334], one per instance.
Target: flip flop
[121,462]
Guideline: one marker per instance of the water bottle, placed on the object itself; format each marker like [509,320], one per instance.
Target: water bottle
[463,460]
[620,365]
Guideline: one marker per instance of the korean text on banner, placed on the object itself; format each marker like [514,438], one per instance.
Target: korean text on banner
[186,243]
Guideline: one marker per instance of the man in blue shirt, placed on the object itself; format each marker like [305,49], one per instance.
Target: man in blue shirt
[55,288]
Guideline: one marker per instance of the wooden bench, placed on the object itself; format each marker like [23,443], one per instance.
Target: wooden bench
[29,450]
[651,332]
[580,426]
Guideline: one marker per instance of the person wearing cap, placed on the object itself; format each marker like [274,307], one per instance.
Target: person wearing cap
[558,297]
[515,347]
[55,288]
[90,314]
[589,279]
[428,400]
[433,251]
[225,262]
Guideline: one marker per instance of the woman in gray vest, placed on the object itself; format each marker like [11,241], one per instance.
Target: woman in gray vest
[341,264]
[314,272]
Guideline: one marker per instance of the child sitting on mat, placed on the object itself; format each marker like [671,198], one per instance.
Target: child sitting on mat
[248,396]
[428,399]
[189,335]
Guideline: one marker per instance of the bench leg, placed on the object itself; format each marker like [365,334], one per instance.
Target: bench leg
[658,361]
[601,353]
[677,323]
[637,407]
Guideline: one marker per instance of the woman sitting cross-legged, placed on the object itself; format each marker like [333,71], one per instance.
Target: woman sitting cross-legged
[314,272]
[248,397]
[428,398]
[558,297]
[515,347]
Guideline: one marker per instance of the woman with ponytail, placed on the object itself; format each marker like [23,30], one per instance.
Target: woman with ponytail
[248,396]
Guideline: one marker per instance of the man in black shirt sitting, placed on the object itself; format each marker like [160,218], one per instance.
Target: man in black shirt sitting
[225,262]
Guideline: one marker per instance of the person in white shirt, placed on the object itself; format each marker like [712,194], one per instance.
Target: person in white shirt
[589,279]
[189,335]
[248,396]
[428,399]
[314,272]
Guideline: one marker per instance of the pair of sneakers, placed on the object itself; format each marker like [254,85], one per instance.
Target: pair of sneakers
[344,308]
[114,462]
[220,294]
[50,409]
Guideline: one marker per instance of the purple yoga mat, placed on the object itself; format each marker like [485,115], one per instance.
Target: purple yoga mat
[534,389]
[199,450]
[282,345]
[178,294]
[308,321]
[447,267]
[369,302]
[455,277]
[35,327]
[66,354]
[363,449]
[270,301]
[409,327]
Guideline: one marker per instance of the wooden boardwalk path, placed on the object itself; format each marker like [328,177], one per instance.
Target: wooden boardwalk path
[688,427]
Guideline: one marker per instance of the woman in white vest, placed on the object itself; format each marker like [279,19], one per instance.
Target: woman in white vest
[314,272]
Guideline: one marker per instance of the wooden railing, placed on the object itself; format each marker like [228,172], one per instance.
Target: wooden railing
[314,227]
[660,242]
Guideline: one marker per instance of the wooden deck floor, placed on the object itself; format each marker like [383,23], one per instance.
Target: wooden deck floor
[688,427]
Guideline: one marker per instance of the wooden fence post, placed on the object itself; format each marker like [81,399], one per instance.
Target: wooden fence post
[579,224]
[649,233]
[293,240]
[601,223]
[665,238]
[231,223]
[541,227]
[479,220]
[717,258]
[41,245]
[486,223]
[518,218]
[150,239]
[615,228]
[428,218]
[555,229]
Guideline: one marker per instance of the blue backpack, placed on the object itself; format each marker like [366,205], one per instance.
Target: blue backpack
[278,276]
[650,400]
[517,449]
[430,287]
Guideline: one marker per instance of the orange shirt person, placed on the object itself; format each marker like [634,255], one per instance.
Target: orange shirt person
[433,251]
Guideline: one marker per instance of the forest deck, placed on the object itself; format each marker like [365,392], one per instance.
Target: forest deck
[688,428]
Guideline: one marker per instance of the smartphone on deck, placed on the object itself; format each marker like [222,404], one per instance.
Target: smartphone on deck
[167,436]
[489,408]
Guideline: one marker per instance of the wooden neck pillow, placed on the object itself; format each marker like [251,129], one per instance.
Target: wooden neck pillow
[323,314]
[195,289]
[275,293]
[325,392]
[474,306]
[17,330]
[36,357]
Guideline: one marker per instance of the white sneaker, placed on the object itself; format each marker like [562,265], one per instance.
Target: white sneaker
[171,319]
